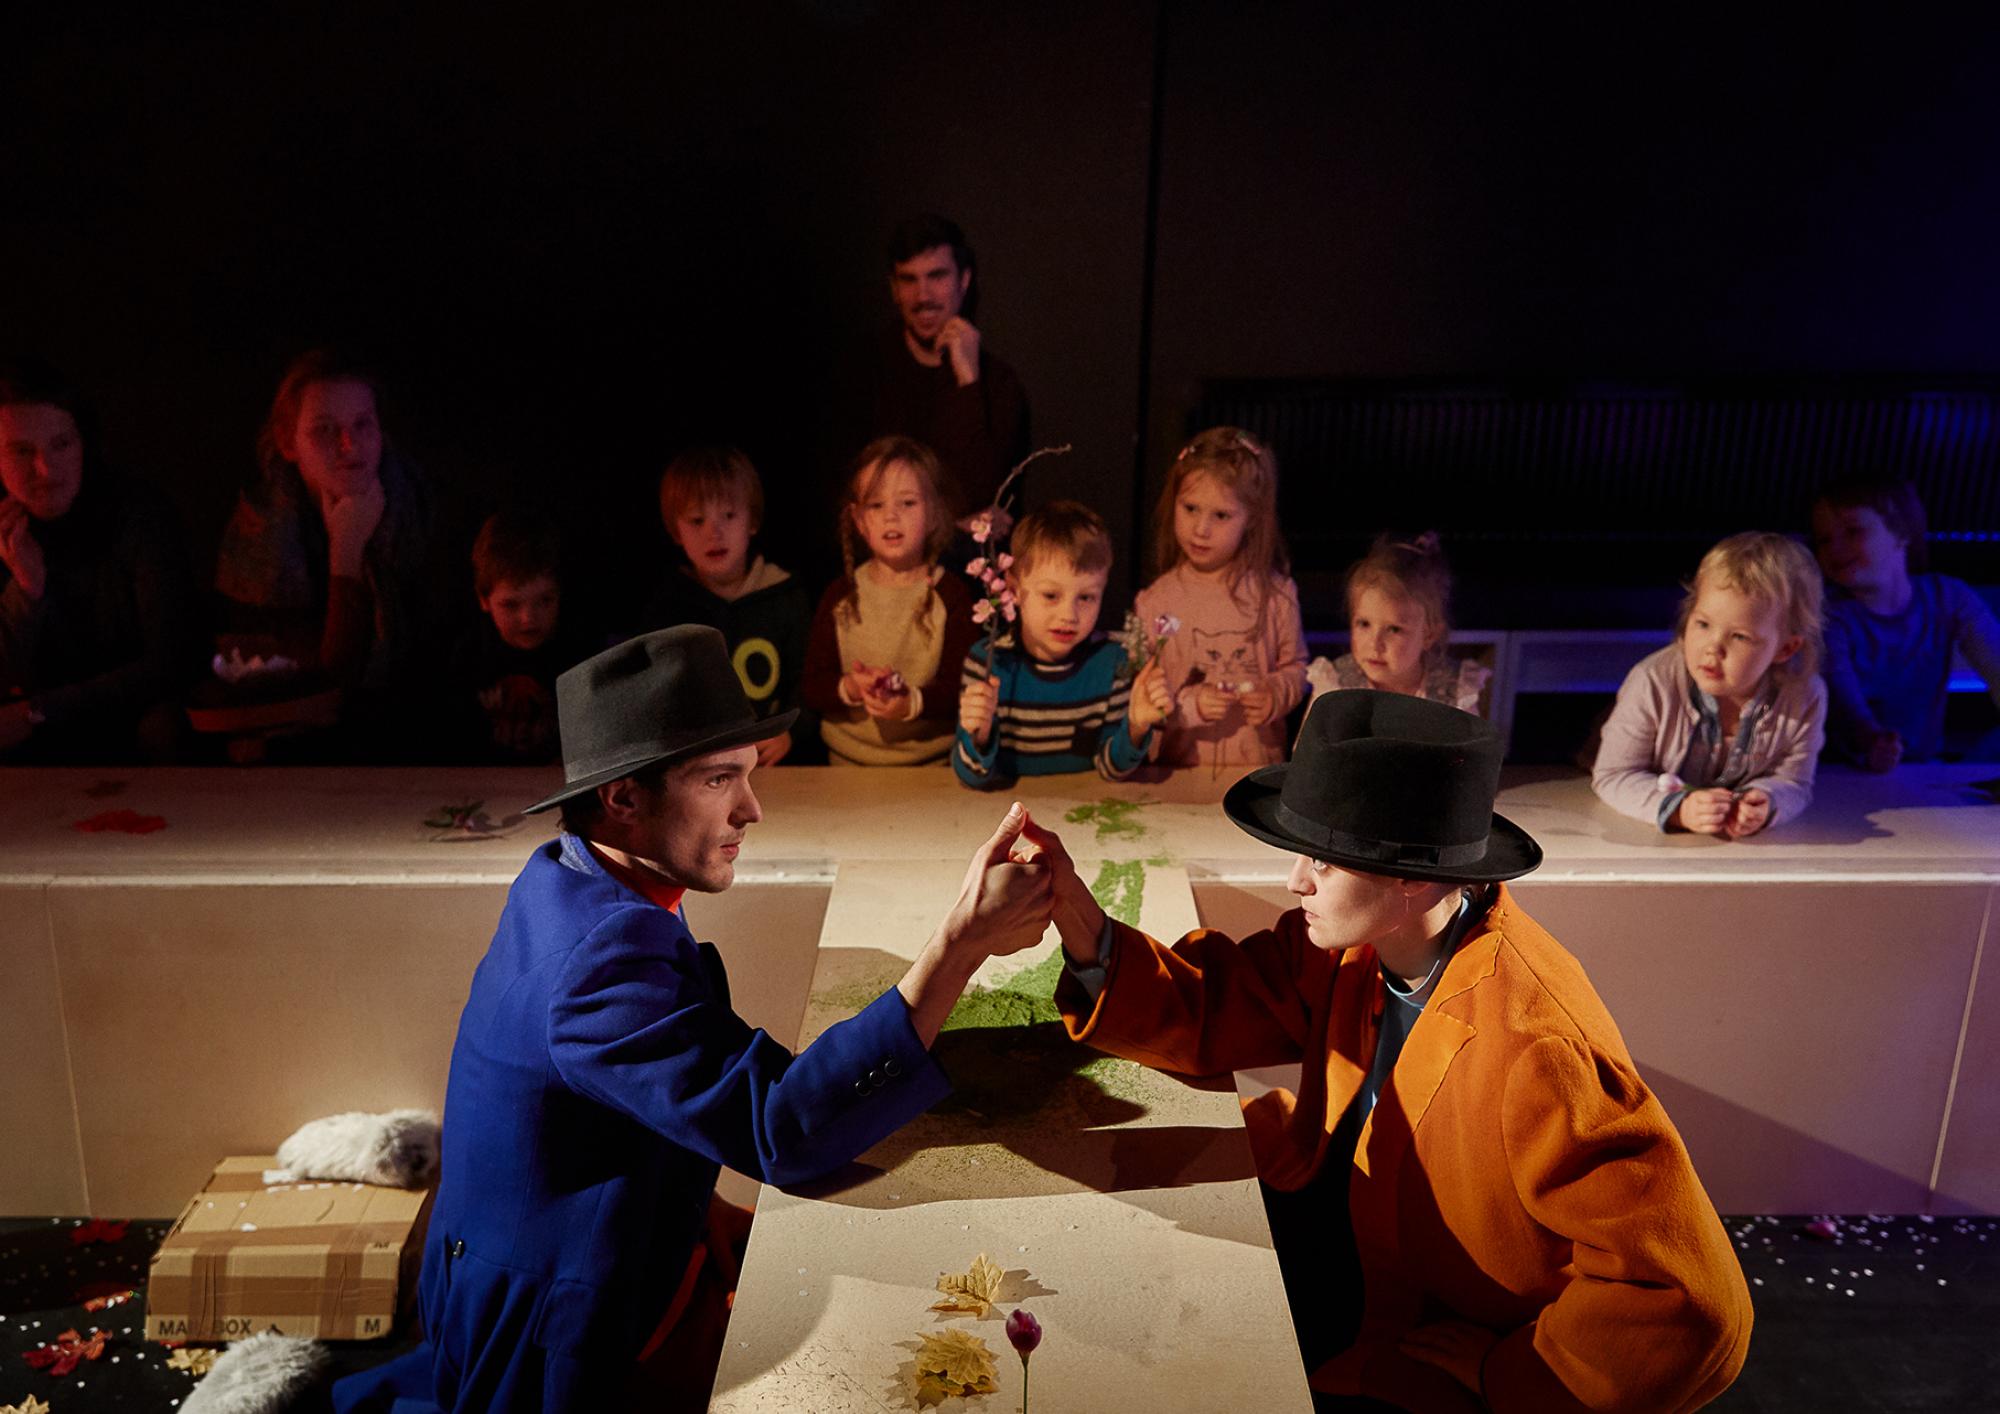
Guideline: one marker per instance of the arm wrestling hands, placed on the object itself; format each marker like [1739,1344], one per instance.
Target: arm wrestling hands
[1004,905]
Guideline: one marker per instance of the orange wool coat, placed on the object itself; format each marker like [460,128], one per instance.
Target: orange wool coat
[1516,1172]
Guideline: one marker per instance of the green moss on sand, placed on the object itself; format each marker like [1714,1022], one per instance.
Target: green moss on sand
[1120,889]
[1114,819]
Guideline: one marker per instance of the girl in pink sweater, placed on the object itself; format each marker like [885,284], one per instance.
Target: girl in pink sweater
[1238,663]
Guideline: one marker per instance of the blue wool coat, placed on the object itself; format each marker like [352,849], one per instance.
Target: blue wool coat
[599,1080]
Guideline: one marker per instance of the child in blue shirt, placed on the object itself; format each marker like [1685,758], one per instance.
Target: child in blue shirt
[1890,629]
[1056,697]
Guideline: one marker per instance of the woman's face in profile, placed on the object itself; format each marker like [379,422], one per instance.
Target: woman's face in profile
[337,441]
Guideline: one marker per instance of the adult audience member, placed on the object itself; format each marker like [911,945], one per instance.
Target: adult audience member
[95,598]
[935,380]
[327,557]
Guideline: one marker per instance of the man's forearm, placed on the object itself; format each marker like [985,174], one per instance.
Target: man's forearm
[932,985]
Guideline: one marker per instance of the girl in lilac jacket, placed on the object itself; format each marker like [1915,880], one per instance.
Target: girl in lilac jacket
[1720,731]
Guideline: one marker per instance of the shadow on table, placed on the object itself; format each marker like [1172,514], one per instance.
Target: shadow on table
[1032,1113]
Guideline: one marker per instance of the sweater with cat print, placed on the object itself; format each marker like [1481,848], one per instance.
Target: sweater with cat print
[1228,638]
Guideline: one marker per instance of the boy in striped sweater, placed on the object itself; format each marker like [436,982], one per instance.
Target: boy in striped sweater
[1056,698]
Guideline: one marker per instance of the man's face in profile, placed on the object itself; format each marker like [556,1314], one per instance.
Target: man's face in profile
[928,289]
[692,827]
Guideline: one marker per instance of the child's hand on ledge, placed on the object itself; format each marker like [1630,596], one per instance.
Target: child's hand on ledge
[772,750]
[1151,703]
[976,706]
[1885,751]
[1752,813]
[1706,812]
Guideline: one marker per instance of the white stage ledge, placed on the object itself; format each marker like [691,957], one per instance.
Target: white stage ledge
[296,942]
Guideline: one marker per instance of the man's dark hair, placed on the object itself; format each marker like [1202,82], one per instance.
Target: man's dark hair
[916,234]
[580,813]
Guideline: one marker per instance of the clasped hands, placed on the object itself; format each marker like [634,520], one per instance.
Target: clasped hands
[1213,702]
[1721,811]
[880,692]
[1018,882]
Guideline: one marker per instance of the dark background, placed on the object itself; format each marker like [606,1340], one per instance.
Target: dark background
[572,243]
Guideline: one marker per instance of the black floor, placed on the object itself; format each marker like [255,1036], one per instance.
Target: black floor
[1862,1315]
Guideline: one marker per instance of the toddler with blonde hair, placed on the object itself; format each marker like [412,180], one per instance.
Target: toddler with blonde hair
[1719,732]
[1399,624]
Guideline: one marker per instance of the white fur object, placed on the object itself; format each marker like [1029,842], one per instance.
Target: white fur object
[398,1149]
[261,1375]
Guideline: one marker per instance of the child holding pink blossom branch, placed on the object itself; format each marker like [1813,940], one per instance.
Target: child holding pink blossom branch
[1239,665]
[882,660]
[1055,697]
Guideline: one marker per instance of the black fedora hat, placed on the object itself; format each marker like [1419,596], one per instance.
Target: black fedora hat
[1389,784]
[652,700]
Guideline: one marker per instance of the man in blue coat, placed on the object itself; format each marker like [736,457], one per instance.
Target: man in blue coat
[600,1077]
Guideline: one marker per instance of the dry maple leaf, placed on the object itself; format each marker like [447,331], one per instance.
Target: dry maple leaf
[974,1292]
[195,1362]
[30,1405]
[958,1362]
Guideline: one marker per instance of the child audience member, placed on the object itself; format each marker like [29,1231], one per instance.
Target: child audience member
[889,636]
[1238,664]
[712,503]
[1719,731]
[1891,629]
[1052,699]
[503,668]
[1398,617]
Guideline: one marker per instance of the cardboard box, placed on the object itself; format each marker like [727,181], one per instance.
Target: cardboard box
[335,1261]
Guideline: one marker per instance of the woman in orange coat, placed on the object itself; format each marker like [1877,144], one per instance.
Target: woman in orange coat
[1477,1202]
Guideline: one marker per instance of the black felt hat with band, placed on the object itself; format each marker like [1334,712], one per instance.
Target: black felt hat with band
[652,700]
[1389,784]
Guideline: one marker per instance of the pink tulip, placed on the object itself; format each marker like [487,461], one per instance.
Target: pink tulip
[1024,1333]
